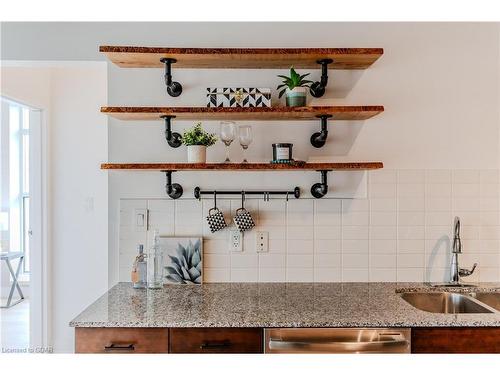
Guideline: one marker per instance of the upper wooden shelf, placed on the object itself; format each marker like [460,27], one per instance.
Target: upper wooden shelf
[242,58]
[239,113]
[346,166]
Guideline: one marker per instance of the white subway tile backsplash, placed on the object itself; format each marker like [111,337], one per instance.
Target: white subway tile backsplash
[240,260]
[465,176]
[355,246]
[411,190]
[328,260]
[211,260]
[244,275]
[355,205]
[355,232]
[354,260]
[382,261]
[383,232]
[355,218]
[411,203]
[272,275]
[437,176]
[327,275]
[438,204]
[216,275]
[411,218]
[272,260]
[383,176]
[323,232]
[410,260]
[489,176]
[411,176]
[300,275]
[355,275]
[383,275]
[328,246]
[402,232]
[300,246]
[383,190]
[383,246]
[299,260]
[383,218]
[438,190]
[328,212]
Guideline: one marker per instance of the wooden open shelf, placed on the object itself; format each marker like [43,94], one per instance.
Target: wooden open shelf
[242,58]
[345,166]
[239,113]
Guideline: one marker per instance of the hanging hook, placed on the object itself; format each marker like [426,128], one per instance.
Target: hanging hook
[215,198]
[286,196]
[243,199]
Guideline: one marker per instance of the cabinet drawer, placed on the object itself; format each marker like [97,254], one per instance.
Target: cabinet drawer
[455,340]
[216,340]
[121,340]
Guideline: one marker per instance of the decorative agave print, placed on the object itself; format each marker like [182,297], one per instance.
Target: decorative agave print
[186,267]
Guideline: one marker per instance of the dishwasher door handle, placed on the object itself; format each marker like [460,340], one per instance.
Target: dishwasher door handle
[338,346]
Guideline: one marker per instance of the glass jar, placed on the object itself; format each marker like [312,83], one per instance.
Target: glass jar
[155,263]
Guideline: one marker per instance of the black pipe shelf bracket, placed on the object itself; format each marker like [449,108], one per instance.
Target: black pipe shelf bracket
[173,190]
[320,189]
[174,89]
[318,88]
[266,194]
[173,139]
[318,139]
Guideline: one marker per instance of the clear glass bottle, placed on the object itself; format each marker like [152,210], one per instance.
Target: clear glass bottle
[140,266]
[155,263]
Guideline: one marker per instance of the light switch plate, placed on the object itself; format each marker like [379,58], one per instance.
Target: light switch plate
[235,241]
[262,242]
[140,220]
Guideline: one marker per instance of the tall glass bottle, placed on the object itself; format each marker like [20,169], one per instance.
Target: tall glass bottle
[155,263]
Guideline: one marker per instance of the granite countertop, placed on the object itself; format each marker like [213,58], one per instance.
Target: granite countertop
[271,305]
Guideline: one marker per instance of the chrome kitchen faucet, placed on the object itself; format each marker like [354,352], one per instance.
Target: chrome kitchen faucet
[456,271]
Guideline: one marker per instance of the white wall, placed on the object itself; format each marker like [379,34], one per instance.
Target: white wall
[77,190]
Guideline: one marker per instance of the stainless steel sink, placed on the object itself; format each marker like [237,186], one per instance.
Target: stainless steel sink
[444,303]
[491,299]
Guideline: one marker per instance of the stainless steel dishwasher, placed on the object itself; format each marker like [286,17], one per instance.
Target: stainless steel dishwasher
[337,340]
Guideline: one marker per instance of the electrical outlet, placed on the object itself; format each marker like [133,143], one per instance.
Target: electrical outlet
[262,242]
[235,241]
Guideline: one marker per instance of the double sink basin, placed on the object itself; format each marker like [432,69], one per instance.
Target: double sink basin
[454,303]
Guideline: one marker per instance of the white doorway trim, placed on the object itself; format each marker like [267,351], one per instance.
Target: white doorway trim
[39,324]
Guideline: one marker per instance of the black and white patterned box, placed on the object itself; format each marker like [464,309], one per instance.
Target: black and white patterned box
[238,97]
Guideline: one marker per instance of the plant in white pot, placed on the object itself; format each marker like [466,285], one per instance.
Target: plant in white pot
[295,88]
[197,140]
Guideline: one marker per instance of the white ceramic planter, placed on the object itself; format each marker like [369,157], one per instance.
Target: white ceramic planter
[296,97]
[197,154]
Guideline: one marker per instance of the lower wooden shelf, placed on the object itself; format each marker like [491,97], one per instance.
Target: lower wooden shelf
[341,166]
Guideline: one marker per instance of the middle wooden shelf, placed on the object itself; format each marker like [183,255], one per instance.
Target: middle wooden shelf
[337,112]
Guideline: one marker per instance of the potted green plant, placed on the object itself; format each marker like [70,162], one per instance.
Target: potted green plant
[295,87]
[197,140]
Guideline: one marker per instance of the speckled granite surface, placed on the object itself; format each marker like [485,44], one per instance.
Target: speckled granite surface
[270,305]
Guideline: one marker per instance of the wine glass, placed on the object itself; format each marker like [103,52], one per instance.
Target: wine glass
[245,135]
[227,135]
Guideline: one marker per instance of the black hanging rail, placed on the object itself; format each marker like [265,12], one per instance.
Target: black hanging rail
[266,194]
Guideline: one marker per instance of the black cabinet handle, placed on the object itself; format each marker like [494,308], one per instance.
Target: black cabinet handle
[215,344]
[119,348]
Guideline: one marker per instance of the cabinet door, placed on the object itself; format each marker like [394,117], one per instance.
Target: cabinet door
[455,340]
[121,340]
[216,340]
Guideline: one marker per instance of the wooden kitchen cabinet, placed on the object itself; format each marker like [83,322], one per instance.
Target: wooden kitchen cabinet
[121,340]
[455,340]
[216,340]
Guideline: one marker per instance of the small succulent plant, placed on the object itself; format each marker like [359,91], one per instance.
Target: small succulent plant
[295,80]
[197,136]
[186,267]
